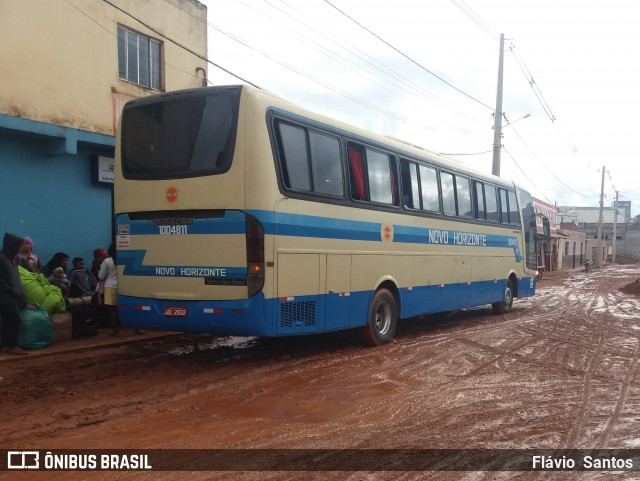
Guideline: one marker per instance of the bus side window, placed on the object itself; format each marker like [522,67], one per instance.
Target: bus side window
[372,175]
[514,213]
[382,182]
[448,193]
[310,161]
[463,196]
[504,207]
[491,202]
[410,189]
[326,164]
[480,210]
[429,184]
[295,157]
[356,164]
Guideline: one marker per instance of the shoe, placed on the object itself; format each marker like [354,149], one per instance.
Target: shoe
[16,351]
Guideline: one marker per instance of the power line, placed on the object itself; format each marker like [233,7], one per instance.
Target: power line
[407,57]
[157,32]
[476,19]
[532,83]
[523,173]
[411,87]
[547,168]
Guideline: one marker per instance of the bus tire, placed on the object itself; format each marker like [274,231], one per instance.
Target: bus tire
[503,307]
[383,317]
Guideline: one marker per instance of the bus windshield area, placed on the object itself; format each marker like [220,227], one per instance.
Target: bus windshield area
[185,136]
[530,229]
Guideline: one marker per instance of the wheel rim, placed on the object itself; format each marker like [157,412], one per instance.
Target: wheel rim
[383,318]
[508,298]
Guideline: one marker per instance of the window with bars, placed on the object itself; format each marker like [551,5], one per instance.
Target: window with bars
[139,59]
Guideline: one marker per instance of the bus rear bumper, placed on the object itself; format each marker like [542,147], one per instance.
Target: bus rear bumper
[236,317]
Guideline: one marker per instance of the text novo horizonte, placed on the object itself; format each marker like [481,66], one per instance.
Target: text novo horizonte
[446,237]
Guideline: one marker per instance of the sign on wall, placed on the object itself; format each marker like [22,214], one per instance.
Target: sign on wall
[102,171]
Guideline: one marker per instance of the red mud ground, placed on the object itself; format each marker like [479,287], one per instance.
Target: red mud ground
[560,371]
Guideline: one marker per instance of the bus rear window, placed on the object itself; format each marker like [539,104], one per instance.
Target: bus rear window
[183,136]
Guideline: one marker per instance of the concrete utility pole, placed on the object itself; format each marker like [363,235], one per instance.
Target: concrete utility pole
[497,116]
[599,243]
[615,228]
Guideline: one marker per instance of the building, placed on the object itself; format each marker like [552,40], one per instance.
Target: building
[68,68]
[586,220]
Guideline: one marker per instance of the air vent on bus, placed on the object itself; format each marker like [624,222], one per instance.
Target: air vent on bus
[298,314]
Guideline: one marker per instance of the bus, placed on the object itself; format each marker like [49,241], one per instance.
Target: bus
[239,213]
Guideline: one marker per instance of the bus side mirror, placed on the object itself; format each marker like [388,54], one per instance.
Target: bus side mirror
[546,228]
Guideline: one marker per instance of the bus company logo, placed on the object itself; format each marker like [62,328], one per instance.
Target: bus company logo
[23,460]
[386,233]
[171,194]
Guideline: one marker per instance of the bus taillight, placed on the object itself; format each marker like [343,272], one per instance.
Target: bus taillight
[255,255]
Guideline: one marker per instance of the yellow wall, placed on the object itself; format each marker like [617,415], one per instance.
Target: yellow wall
[60,58]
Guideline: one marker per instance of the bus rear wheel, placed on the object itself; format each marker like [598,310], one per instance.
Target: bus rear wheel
[383,317]
[504,306]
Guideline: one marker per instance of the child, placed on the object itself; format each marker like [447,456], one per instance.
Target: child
[81,283]
[59,278]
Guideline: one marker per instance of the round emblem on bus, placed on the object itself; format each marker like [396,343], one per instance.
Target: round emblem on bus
[171,194]
[386,233]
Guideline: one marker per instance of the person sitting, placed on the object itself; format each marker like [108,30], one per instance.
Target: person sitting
[27,258]
[59,259]
[81,284]
[59,278]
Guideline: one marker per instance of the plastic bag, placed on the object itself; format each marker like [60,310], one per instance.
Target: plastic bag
[38,290]
[36,330]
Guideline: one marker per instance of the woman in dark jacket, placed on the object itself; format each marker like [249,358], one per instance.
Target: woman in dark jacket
[11,294]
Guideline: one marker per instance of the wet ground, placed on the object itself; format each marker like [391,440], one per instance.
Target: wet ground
[560,371]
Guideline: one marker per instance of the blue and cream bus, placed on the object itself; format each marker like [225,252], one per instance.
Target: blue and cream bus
[240,213]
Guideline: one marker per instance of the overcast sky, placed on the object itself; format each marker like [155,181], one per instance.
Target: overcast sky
[426,71]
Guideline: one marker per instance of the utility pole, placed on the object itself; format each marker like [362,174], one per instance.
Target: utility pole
[615,228]
[599,243]
[497,116]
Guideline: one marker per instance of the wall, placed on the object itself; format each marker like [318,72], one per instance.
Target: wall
[52,201]
[60,59]
[59,100]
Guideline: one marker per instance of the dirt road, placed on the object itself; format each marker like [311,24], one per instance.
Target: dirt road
[559,371]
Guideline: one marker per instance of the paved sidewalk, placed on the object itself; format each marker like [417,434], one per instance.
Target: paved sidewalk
[102,339]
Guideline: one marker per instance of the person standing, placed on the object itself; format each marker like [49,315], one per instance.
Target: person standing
[11,294]
[109,275]
[28,259]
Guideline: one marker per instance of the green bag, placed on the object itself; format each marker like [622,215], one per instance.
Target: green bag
[38,290]
[36,330]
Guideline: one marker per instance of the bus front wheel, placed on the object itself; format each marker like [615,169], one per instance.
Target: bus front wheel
[383,317]
[505,306]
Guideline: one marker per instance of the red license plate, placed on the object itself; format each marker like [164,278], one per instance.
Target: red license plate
[172,311]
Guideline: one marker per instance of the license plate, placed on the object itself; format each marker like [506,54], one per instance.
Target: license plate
[171,311]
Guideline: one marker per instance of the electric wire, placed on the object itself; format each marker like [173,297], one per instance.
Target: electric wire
[476,19]
[523,173]
[532,83]
[411,87]
[547,168]
[192,52]
[408,58]
[110,32]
